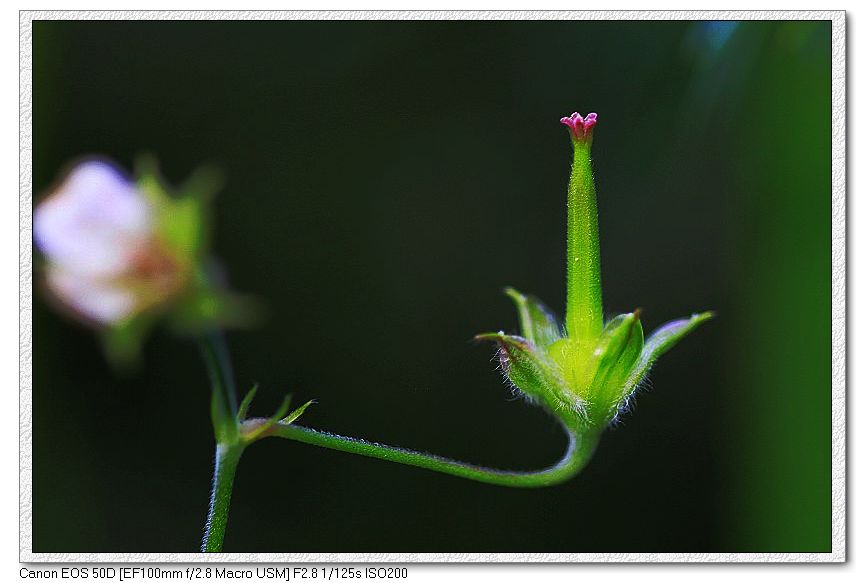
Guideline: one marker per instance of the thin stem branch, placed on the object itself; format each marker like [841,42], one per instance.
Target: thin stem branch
[580,449]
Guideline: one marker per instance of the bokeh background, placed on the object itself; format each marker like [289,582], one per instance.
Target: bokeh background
[385,181]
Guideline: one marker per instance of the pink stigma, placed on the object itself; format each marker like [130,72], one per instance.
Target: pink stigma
[579,126]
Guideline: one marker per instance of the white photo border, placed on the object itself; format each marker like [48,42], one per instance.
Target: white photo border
[839,277]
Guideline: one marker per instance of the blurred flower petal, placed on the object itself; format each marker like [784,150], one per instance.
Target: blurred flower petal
[94,222]
[101,301]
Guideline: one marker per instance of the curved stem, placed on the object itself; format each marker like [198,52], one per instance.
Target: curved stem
[224,467]
[579,451]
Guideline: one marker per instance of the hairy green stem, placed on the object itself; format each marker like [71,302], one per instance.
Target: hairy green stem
[580,449]
[226,430]
[224,467]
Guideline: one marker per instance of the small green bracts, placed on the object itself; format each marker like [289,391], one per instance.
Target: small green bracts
[586,371]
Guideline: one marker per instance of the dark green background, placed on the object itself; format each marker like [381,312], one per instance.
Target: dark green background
[385,181]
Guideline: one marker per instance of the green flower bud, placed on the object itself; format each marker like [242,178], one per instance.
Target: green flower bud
[584,371]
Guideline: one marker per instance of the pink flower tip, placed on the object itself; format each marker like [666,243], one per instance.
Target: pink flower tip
[579,126]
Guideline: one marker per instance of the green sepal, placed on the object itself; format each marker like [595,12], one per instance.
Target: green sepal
[618,347]
[291,417]
[203,184]
[246,402]
[537,323]
[533,373]
[661,340]
[181,225]
[181,221]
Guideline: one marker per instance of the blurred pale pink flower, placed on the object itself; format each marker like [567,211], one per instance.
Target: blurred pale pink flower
[105,261]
